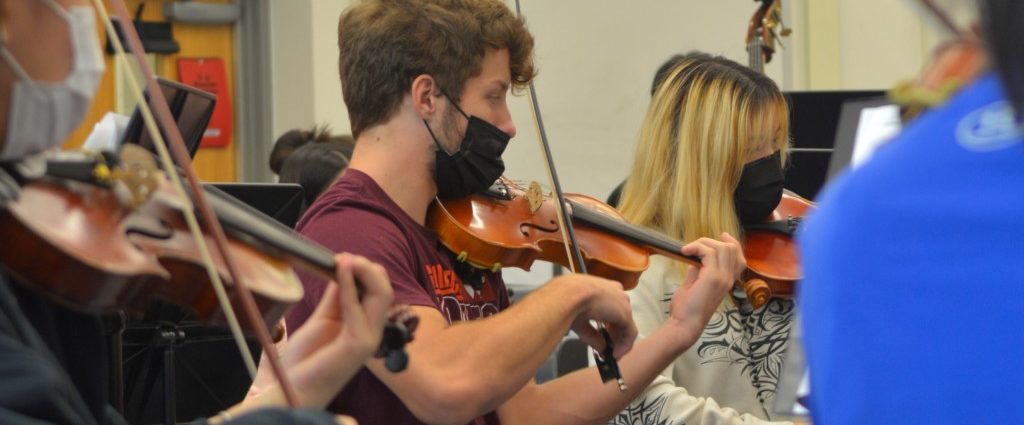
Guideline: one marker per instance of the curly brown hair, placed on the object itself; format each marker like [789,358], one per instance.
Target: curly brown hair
[385,44]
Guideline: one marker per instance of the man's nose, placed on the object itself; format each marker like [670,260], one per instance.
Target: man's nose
[509,129]
[507,125]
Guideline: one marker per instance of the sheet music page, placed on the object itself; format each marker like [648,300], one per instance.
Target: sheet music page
[876,126]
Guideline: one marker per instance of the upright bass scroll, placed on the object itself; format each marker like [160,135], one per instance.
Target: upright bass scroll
[762,37]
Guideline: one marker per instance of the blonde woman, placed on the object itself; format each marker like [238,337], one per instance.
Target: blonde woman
[710,157]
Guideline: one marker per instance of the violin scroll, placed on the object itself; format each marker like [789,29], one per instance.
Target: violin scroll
[758,292]
[773,261]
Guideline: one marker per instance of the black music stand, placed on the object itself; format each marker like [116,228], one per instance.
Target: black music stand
[846,133]
[282,202]
[813,119]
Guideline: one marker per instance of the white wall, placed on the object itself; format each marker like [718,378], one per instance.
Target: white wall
[596,61]
[327,104]
[304,79]
[291,64]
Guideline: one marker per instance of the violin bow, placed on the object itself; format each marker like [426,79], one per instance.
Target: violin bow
[942,18]
[607,366]
[176,149]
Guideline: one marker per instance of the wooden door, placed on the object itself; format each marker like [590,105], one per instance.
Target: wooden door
[212,164]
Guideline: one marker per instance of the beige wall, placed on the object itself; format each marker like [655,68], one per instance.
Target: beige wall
[597,58]
[291,57]
[304,52]
[596,63]
[327,104]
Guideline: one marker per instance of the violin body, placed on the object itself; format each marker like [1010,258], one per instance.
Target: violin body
[159,229]
[68,238]
[773,260]
[491,232]
[95,244]
[89,250]
[952,66]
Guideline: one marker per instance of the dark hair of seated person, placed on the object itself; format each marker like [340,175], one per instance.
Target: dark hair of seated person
[295,139]
[314,167]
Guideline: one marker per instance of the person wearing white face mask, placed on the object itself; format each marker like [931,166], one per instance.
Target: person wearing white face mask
[43,114]
[52,358]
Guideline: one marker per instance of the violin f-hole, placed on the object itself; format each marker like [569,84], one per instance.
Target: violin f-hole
[150,227]
[524,228]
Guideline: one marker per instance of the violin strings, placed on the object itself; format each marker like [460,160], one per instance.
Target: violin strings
[568,236]
[551,181]
[187,208]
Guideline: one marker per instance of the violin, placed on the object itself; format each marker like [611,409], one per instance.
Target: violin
[953,64]
[123,251]
[512,226]
[64,230]
[773,260]
[110,239]
[509,226]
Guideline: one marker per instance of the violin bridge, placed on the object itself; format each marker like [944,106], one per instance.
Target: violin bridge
[534,197]
[137,175]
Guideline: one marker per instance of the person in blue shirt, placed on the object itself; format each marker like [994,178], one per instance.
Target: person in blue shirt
[912,301]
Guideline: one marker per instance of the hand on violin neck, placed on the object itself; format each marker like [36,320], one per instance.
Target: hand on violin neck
[607,303]
[343,331]
[704,286]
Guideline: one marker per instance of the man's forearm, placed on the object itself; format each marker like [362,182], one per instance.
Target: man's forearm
[581,398]
[461,371]
[512,345]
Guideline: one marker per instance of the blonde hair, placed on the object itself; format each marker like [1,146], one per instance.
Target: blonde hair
[703,120]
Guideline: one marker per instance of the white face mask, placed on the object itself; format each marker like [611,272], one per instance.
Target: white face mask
[42,115]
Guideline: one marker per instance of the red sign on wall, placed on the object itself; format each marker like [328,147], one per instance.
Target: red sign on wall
[208,74]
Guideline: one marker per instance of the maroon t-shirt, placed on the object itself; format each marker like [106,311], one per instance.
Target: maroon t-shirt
[356,215]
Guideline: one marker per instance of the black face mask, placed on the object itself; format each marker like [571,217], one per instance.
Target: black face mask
[477,163]
[759,190]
